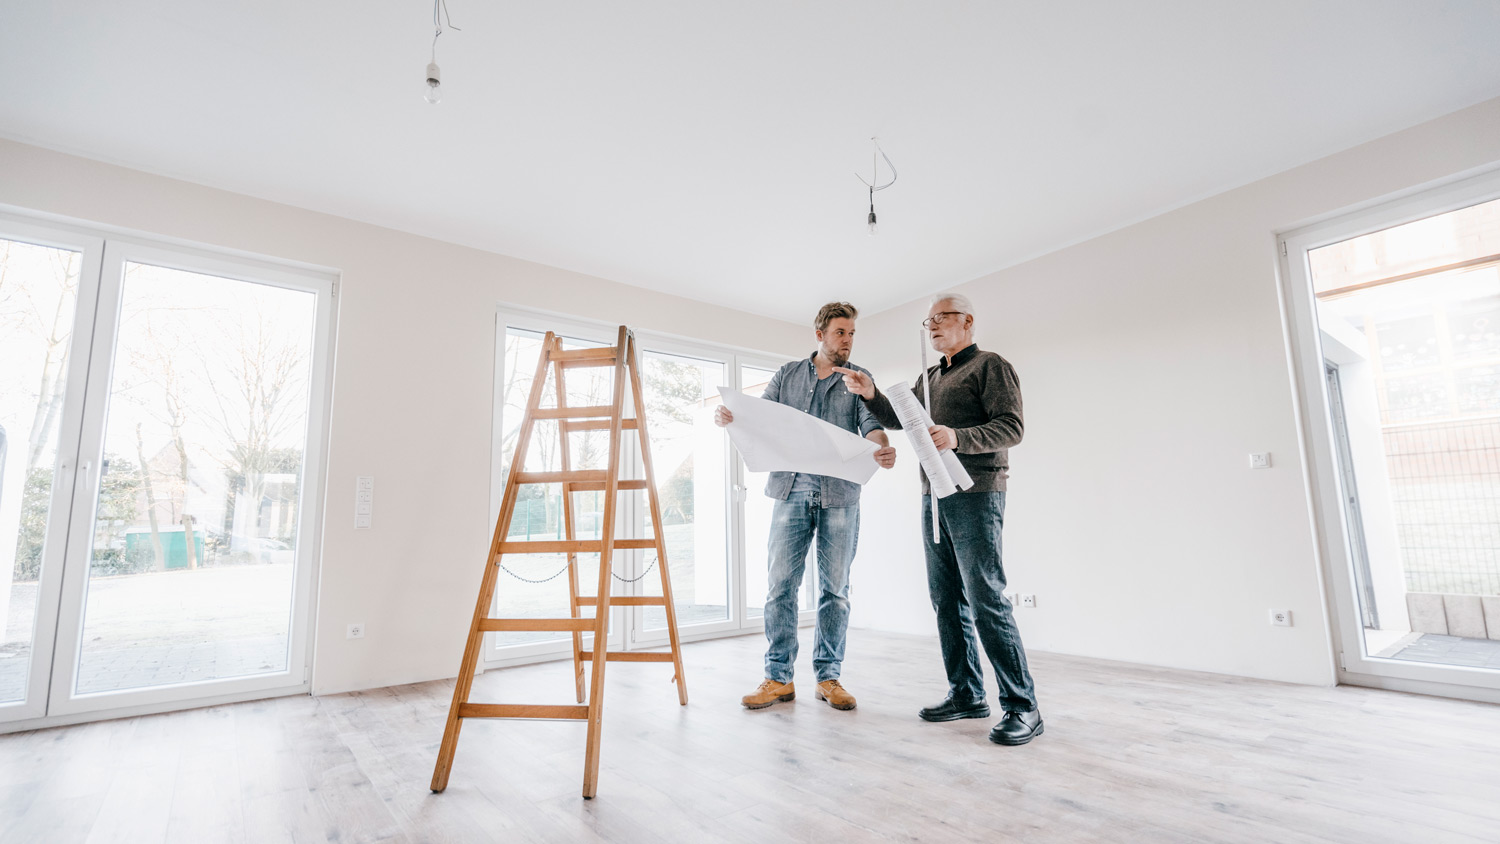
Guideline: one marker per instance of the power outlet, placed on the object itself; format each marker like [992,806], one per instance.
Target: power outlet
[1281,618]
[1012,598]
[1028,601]
[356,630]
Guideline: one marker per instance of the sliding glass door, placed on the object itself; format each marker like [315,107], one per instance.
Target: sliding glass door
[165,475]
[1396,326]
[715,528]
[536,585]
[690,458]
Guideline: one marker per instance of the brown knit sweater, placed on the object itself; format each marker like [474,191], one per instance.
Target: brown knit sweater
[978,395]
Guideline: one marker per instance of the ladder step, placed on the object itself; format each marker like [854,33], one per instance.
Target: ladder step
[602,353]
[520,710]
[552,546]
[624,601]
[594,475]
[592,411]
[628,656]
[581,625]
[593,486]
[587,362]
[578,480]
[597,424]
[573,546]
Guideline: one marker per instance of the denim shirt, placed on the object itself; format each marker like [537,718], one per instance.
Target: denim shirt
[793,384]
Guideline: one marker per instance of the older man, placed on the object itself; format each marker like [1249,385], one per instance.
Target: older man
[814,506]
[976,410]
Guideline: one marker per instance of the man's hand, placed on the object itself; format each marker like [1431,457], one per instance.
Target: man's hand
[722,416]
[943,437]
[886,457]
[857,382]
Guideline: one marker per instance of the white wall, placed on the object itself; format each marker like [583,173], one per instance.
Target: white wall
[1152,361]
[414,363]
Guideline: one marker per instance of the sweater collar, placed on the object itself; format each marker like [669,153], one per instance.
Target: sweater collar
[964,354]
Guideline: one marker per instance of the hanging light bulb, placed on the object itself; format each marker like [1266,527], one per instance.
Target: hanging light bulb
[434,92]
[875,177]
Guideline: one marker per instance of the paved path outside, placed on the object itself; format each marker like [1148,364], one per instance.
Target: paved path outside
[1447,650]
[165,627]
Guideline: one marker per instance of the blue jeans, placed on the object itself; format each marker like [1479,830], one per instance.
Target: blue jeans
[967,585]
[794,522]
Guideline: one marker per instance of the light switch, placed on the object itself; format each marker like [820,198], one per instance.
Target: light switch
[1260,460]
[364,501]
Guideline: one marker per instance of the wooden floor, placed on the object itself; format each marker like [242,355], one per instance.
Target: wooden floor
[1130,754]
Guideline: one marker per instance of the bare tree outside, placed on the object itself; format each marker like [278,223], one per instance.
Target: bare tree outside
[260,396]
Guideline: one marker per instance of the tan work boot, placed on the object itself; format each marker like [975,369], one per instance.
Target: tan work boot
[768,693]
[837,696]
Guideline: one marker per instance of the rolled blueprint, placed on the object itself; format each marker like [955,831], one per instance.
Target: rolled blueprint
[944,473]
[937,533]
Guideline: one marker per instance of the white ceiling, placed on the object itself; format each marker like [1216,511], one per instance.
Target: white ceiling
[708,149]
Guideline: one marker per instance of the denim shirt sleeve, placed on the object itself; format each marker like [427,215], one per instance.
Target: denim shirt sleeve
[773,388]
[867,420]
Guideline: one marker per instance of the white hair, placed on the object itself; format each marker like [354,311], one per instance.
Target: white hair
[960,302]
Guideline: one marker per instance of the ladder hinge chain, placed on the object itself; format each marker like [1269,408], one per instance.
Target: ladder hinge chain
[560,571]
[637,577]
[529,580]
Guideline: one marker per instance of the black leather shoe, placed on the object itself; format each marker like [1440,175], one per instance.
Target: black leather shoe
[952,710]
[1017,727]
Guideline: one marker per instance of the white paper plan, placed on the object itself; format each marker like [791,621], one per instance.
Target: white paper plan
[944,473]
[774,437]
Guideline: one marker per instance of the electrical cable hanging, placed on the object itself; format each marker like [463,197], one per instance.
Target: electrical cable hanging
[875,177]
[434,93]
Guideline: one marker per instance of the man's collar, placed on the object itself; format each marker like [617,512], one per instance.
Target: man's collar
[964,354]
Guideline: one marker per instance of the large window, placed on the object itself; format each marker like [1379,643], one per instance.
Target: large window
[160,465]
[1394,314]
[714,516]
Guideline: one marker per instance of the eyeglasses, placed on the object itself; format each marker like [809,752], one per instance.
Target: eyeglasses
[940,317]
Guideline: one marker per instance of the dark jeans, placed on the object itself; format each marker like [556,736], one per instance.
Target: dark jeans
[967,585]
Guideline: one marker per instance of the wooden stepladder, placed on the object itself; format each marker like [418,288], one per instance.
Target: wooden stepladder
[611,417]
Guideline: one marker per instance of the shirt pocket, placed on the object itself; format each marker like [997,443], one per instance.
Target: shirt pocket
[842,410]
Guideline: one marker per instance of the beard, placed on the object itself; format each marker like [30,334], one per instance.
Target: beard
[838,358]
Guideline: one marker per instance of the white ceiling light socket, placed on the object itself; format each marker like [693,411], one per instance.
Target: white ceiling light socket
[434,92]
[875,177]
